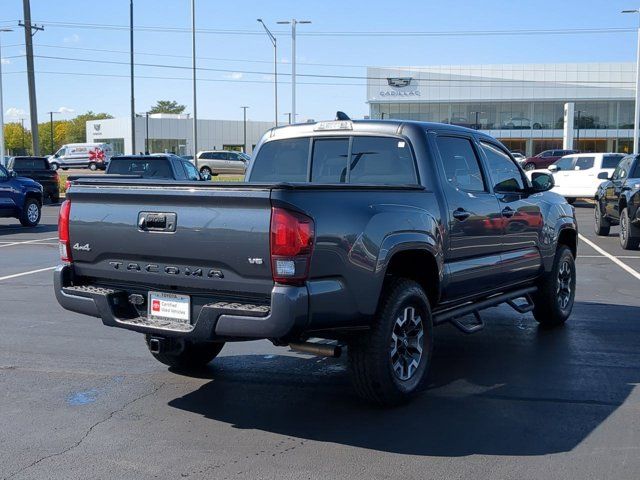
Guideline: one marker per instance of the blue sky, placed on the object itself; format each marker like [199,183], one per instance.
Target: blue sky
[223,92]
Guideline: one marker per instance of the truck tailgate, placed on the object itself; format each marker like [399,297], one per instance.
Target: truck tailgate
[174,236]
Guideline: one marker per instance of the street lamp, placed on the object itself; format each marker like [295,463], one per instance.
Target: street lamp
[2,30]
[51,128]
[289,114]
[636,117]
[293,23]
[275,66]
[244,112]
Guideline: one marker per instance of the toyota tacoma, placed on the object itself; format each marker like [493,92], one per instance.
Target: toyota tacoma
[363,234]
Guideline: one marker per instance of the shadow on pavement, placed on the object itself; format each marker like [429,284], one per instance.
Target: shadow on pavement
[17,228]
[513,389]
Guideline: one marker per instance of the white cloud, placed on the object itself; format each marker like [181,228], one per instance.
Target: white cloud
[13,112]
[235,75]
[64,110]
[5,61]
[75,38]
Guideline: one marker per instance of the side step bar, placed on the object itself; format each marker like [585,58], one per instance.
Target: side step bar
[453,314]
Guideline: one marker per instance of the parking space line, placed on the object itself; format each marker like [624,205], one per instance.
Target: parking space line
[637,257]
[618,262]
[27,241]
[16,275]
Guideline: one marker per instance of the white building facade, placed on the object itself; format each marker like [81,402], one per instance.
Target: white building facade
[522,105]
[160,133]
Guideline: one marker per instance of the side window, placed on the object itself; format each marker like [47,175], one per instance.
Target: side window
[546,154]
[329,160]
[584,163]
[3,174]
[206,156]
[219,156]
[504,172]
[622,170]
[381,160]
[636,171]
[192,173]
[611,161]
[460,164]
[179,170]
[565,163]
[281,161]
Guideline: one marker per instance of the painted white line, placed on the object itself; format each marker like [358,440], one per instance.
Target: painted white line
[16,275]
[602,256]
[620,263]
[27,241]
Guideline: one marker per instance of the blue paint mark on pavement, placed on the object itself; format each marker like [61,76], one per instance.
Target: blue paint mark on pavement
[82,398]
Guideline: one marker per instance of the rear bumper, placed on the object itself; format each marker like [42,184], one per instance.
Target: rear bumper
[287,313]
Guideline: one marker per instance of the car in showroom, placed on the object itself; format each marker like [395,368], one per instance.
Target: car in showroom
[216,162]
[618,203]
[545,158]
[364,234]
[579,175]
[20,198]
[521,123]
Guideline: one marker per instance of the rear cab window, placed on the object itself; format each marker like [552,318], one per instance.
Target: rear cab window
[336,160]
[29,164]
[146,168]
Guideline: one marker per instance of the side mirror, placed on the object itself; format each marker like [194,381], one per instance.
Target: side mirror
[553,168]
[205,176]
[604,176]
[542,182]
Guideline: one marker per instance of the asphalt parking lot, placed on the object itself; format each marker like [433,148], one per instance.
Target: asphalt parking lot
[80,400]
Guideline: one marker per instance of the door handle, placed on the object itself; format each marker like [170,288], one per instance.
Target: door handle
[508,212]
[460,214]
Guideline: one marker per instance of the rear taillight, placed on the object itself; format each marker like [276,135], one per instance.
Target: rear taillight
[63,231]
[292,237]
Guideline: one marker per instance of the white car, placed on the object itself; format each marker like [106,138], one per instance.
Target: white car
[520,158]
[579,175]
[214,162]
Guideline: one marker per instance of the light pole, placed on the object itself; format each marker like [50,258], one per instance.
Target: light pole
[275,67]
[293,23]
[244,113]
[636,117]
[193,69]
[289,114]
[51,128]
[146,136]
[2,30]
[133,102]
[22,133]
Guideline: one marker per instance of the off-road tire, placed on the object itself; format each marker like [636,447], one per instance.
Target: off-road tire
[549,308]
[31,213]
[629,233]
[192,357]
[601,225]
[370,356]
[571,200]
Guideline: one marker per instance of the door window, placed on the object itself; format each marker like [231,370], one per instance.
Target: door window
[584,163]
[3,174]
[622,171]
[611,161]
[460,164]
[192,173]
[565,163]
[504,172]
[329,164]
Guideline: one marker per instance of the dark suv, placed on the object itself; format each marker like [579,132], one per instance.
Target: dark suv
[546,158]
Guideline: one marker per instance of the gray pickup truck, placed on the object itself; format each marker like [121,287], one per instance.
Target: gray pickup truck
[364,234]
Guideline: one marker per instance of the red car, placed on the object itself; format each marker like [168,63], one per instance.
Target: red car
[546,158]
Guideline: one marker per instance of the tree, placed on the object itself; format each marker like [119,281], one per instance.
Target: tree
[16,138]
[167,106]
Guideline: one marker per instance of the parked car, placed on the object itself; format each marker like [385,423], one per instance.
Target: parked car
[157,166]
[216,162]
[579,175]
[94,156]
[38,169]
[520,123]
[365,233]
[519,157]
[618,203]
[20,198]
[546,158]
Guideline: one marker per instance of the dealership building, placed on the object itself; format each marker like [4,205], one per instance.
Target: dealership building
[529,107]
[160,133]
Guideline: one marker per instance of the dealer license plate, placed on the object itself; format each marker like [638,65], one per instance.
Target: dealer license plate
[170,307]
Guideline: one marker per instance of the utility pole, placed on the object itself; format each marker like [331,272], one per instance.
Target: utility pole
[193,68]
[636,117]
[2,30]
[51,128]
[29,32]
[275,66]
[293,23]
[133,102]
[146,141]
[22,131]
[244,113]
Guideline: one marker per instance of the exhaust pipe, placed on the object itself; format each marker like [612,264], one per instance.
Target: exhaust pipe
[319,349]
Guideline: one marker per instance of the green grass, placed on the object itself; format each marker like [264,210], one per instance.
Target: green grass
[228,178]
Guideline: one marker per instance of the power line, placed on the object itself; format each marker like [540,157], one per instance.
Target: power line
[344,77]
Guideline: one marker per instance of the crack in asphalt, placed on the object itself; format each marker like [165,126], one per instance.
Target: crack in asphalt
[87,433]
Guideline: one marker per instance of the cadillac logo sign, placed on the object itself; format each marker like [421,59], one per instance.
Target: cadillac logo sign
[96,127]
[398,85]
[399,81]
